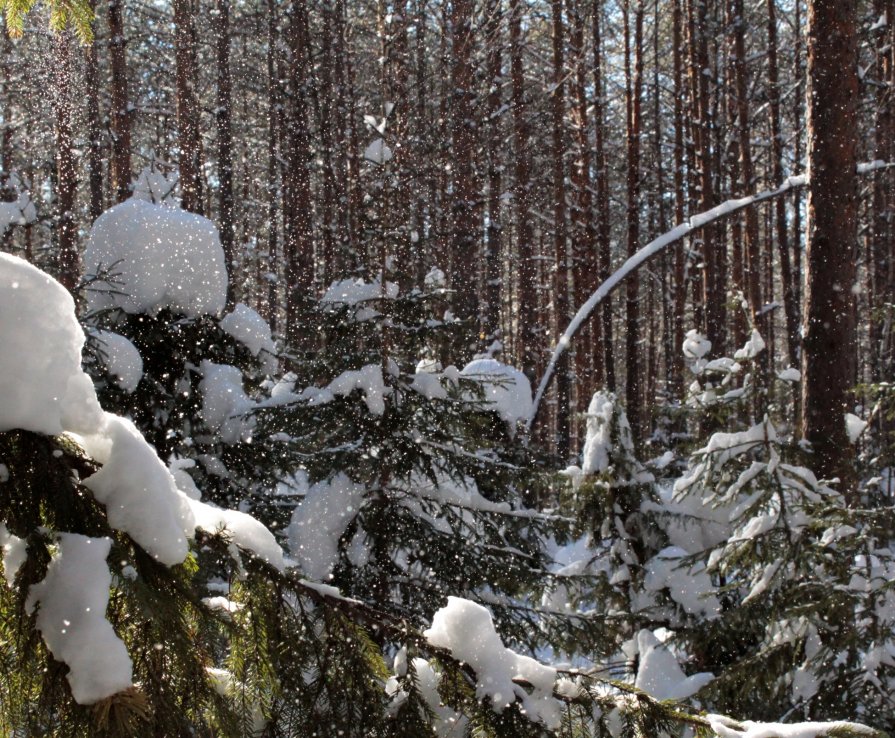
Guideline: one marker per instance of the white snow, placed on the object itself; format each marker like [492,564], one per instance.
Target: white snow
[724,727]
[854,426]
[507,389]
[319,521]
[224,402]
[138,491]
[790,374]
[369,381]
[42,386]
[15,553]
[659,673]
[695,345]
[71,616]
[466,630]
[353,291]
[753,347]
[152,185]
[20,211]
[161,257]
[378,152]
[122,359]
[690,587]
[242,529]
[253,332]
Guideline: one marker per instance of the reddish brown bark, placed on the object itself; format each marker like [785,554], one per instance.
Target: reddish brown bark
[119,113]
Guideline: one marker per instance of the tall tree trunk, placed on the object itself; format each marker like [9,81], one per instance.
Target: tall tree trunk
[465,230]
[560,255]
[298,239]
[493,237]
[603,353]
[526,332]
[119,114]
[633,104]
[189,140]
[274,115]
[680,282]
[790,307]
[588,375]
[224,119]
[828,328]
[68,257]
[94,130]
[747,168]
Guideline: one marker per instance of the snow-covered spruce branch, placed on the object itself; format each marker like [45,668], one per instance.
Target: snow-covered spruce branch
[655,247]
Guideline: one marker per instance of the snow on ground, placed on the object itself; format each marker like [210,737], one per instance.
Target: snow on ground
[160,257]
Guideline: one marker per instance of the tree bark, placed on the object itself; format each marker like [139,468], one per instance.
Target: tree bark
[224,120]
[189,140]
[560,255]
[633,89]
[68,257]
[828,327]
[119,114]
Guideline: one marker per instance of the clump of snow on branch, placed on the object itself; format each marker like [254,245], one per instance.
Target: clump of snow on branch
[44,389]
[320,520]
[252,331]
[224,402]
[507,390]
[71,616]
[121,358]
[21,210]
[158,257]
[659,673]
[466,629]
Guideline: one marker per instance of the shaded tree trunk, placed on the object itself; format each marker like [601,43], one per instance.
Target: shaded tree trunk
[828,327]
[68,257]
[119,114]
[189,140]
[224,120]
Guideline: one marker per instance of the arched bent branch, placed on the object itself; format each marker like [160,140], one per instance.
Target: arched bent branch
[656,246]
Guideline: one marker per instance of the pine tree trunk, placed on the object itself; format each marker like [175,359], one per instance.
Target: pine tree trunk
[298,240]
[828,327]
[526,297]
[189,141]
[493,237]
[604,355]
[560,254]
[274,115]
[223,117]
[790,306]
[588,376]
[119,113]
[466,192]
[680,281]
[94,131]
[68,257]
[633,90]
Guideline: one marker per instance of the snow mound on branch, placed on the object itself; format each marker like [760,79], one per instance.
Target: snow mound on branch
[159,257]
[320,520]
[138,491]
[253,332]
[121,357]
[353,291]
[507,390]
[724,727]
[71,617]
[660,675]
[466,630]
[42,387]
[224,401]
